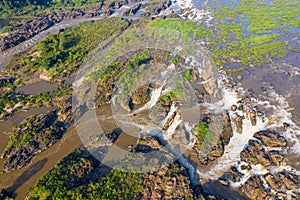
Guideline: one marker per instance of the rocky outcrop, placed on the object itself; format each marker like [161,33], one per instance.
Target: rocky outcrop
[252,116]
[155,7]
[290,180]
[28,29]
[253,189]
[141,95]
[255,154]
[276,157]
[218,145]
[5,195]
[42,133]
[169,182]
[132,11]
[238,123]
[227,132]
[235,175]
[271,139]
[272,181]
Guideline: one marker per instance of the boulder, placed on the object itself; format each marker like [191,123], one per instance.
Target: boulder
[276,157]
[290,180]
[272,181]
[238,123]
[141,95]
[253,189]
[252,116]
[271,139]
[255,154]
[235,175]
[233,107]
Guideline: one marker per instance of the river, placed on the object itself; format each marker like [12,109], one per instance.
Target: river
[281,87]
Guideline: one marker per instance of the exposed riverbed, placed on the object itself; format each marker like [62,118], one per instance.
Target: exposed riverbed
[277,82]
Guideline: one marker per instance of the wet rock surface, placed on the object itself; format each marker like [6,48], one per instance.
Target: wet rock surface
[290,180]
[238,121]
[255,154]
[132,11]
[272,181]
[253,189]
[271,139]
[4,194]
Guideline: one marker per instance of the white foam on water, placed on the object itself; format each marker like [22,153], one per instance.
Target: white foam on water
[191,13]
[280,114]
[238,142]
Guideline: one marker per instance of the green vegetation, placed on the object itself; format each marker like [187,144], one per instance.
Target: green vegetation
[185,27]
[136,69]
[21,134]
[202,132]
[11,102]
[249,33]
[177,59]
[188,75]
[21,8]
[253,159]
[66,181]
[61,54]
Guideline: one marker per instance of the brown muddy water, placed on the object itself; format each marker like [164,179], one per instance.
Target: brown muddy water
[20,181]
[16,119]
[36,88]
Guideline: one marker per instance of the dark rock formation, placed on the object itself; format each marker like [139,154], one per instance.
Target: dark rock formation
[154,8]
[132,11]
[169,182]
[255,154]
[238,122]
[141,95]
[252,116]
[253,189]
[276,157]
[272,181]
[4,194]
[235,175]
[271,139]
[233,107]
[290,180]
